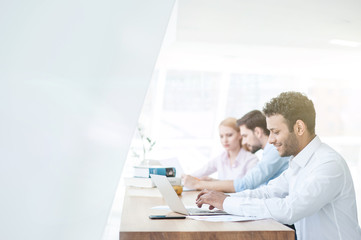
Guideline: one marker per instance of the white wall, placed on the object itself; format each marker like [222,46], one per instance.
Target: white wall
[73,75]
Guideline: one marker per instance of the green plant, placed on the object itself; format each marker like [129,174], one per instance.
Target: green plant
[147,143]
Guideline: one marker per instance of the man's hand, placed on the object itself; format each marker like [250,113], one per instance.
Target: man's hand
[213,198]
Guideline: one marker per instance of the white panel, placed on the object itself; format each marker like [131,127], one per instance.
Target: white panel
[73,75]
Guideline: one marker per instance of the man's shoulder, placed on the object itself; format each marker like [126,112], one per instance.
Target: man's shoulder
[270,149]
[325,153]
[271,155]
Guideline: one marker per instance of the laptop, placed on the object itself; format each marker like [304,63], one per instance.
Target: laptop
[174,202]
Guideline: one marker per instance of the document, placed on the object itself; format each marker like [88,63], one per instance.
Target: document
[214,218]
[223,218]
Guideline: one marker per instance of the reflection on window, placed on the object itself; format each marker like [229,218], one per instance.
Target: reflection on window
[189,108]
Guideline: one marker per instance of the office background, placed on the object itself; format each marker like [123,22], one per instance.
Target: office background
[222,59]
[74,75]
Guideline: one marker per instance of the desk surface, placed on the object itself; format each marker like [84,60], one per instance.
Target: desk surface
[135,222]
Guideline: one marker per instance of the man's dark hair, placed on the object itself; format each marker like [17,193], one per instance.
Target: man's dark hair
[254,119]
[292,106]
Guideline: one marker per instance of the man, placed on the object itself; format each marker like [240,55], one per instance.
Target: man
[315,193]
[254,133]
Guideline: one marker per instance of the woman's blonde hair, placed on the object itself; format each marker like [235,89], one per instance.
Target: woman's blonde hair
[230,122]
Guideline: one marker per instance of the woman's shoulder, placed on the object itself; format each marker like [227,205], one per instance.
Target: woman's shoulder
[222,155]
[247,154]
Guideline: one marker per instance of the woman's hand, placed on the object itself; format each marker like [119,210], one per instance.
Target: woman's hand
[206,178]
[191,182]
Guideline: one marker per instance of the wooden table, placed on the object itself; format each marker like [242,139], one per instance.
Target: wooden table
[135,222]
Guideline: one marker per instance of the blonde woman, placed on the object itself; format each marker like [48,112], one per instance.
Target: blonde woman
[233,162]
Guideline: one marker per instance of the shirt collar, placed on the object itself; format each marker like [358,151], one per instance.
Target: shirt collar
[304,156]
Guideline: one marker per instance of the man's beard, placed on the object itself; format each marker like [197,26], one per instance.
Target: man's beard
[290,146]
[255,148]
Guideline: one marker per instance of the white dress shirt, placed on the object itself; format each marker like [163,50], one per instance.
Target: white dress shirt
[315,193]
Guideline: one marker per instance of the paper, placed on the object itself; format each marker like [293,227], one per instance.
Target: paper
[224,218]
[214,218]
[163,207]
[185,189]
[166,207]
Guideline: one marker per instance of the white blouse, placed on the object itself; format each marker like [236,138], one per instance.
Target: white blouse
[245,161]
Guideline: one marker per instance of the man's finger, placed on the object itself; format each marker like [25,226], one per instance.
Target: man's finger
[198,199]
[204,191]
[199,203]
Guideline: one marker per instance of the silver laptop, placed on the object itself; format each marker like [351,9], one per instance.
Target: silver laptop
[173,201]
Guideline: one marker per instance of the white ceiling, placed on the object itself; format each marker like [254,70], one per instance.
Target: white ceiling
[285,23]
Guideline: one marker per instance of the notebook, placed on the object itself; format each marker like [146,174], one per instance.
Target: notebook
[173,201]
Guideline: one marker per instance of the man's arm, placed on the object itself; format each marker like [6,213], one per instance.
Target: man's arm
[270,167]
[316,189]
[246,203]
[218,185]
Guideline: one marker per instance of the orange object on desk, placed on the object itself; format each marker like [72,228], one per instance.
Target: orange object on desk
[178,189]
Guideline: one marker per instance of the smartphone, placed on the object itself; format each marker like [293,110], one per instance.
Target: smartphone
[166,217]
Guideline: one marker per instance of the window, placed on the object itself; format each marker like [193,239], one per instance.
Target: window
[188,98]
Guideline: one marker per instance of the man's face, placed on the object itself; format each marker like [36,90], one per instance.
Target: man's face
[249,139]
[285,141]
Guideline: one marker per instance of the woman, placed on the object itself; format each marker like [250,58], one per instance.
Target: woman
[234,161]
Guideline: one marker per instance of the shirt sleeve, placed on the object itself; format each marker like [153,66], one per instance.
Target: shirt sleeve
[209,168]
[271,166]
[313,191]
[278,187]
[252,202]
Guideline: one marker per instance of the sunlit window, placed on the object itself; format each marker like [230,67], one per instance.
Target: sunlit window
[184,106]
[203,77]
